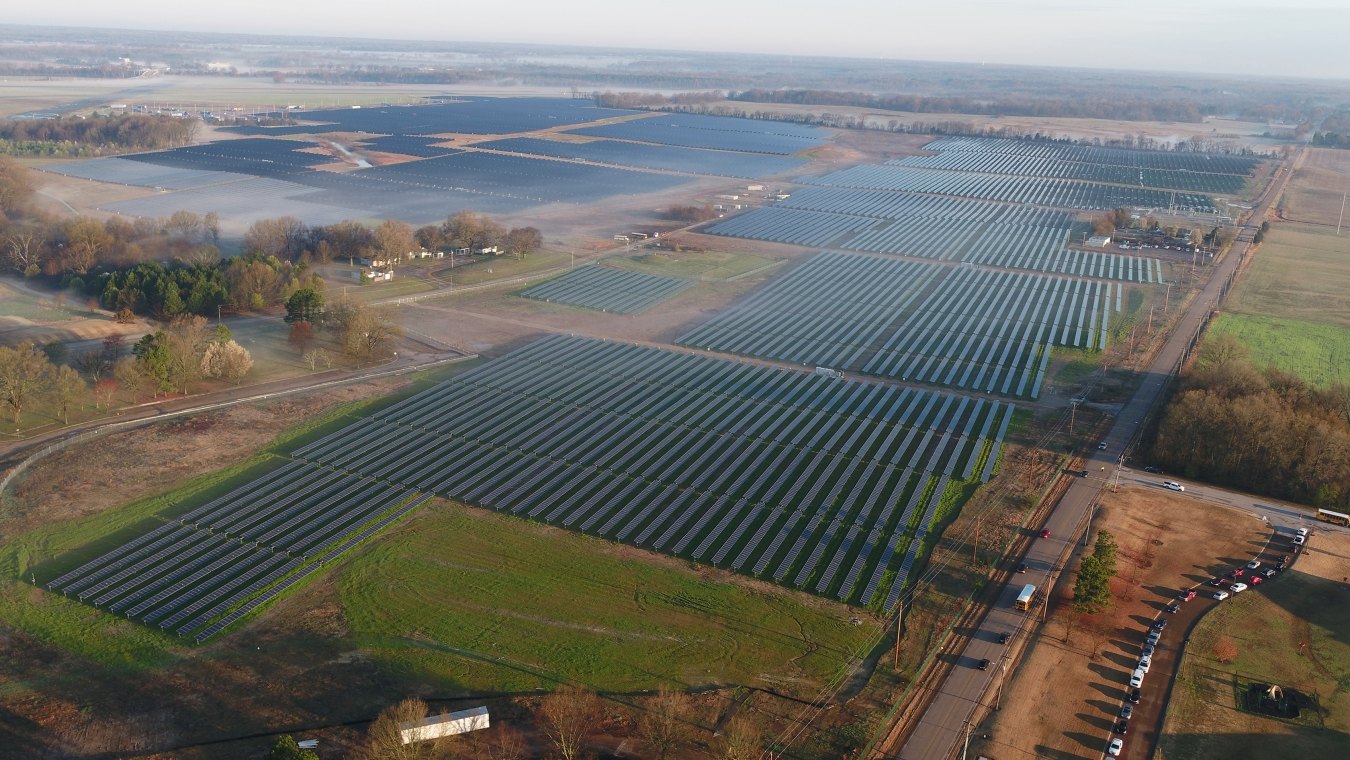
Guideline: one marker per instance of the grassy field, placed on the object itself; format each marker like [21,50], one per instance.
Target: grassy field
[1319,353]
[475,600]
[1300,272]
[706,265]
[1269,629]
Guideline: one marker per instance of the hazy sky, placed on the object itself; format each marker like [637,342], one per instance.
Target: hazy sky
[1303,38]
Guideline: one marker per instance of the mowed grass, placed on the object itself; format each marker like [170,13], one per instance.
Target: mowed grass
[704,265]
[1269,629]
[1301,272]
[1318,353]
[469,599]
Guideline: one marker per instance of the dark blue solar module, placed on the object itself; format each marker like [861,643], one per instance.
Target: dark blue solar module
[478,116]
[529,178]
[672,158]
[421,147]
[718,132]
[257,156]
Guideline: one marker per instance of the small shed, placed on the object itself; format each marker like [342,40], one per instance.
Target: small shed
[448,724]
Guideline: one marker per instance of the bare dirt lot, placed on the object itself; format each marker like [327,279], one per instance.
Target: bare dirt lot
[1070,682]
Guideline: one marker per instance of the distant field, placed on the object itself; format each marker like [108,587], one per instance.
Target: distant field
[1300,272]
[1317,190]
[468,599]
[1319,353]
[1292,634]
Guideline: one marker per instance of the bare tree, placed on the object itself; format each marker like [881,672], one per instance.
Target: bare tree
[568,716]
[25,251]
[507,744]
[186,340]
[663,726]
[384,738]
[127,373]
[739,740]
[24,372]
[393,241]
[67,389]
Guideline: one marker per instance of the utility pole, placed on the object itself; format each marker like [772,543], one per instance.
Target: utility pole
[1073,414]
[1341,218]
[899,620]
[975,550]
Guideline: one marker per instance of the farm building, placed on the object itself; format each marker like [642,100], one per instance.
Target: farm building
[1099,241]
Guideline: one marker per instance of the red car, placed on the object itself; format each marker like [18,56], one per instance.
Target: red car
[1045,533]
[1238,573]
[1257,580]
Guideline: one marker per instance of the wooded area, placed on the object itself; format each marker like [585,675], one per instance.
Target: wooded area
[1263,431]
[72,137]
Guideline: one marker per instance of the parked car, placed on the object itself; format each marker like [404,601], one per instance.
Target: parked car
[1154,636]
[1172,608]
[1137,678]
[1122,727]
[1160,623]
[1270,572]
[1003,637]
[984,664]
[1116,747]
[1239,572]
[1136,696]
[1153,469]
[1238,588]
[1300,539]
[1022,568]
[1216,582]
[1186,594]
[1221,595]
[1045,533]
[1172,485]
[1257,580]
[1253,564]
[1144,663]
[1303,531]
[1127,711]
[1101,446]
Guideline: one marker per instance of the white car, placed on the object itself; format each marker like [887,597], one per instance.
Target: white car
[1116,746]
[1238,588]
[1253,564]
[1303,531]
[1221,595]
[1300,540]
[1172,485]
[1144,662]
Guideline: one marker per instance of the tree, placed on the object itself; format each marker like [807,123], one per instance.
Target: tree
[1225,649]
[393,241]
[286,748]
[282,237]
[663,726]
[305,305]
[228,361]
[85,240]
[384,740]
[25,252]
[568,716]
[1105,551]
[365,333]
[153,362]
[186,341]
[1092,589]
[316,356]
[128,374]
[740,740]
[521,241]
[16,187]
[67,389]
[301,336]
[24,372]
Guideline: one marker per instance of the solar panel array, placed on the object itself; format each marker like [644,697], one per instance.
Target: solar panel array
[1032,166]
[608,289]
[1042,191]
[715,132]
[192,576]
[952,229]
[722,163]
[966,327]
[1091,154]
[817,483]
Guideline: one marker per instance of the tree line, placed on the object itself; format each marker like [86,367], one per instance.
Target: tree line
[94,135]
[1259,430]
[566,724]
